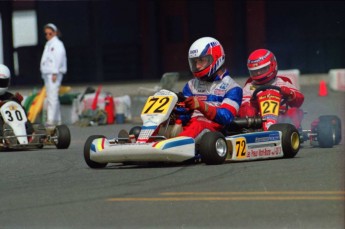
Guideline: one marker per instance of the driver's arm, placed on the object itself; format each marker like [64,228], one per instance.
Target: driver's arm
[248,106]
[247,93]
[294,97]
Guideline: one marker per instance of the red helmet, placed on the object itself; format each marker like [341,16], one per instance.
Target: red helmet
[262,66]
[205,56]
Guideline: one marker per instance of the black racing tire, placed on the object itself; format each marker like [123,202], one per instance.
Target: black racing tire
[1,127]
[135,131]
[63,137]
[335,122]
[290,138]
[328,131]
[87,146]
[213,148]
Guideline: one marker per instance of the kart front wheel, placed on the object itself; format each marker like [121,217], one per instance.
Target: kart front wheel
[87,146]
[63,137]
[290,138]
[213,148]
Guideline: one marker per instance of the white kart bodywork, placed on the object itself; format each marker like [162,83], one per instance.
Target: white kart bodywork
[151,146]
[14,115]
[15,134]
[155,112]
[171,150]
[242,147]
[256,145]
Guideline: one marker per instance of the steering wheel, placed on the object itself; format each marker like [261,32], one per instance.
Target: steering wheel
[181,97]
[264,88]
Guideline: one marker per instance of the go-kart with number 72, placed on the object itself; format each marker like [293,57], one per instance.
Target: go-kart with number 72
[16,131]
[152,142]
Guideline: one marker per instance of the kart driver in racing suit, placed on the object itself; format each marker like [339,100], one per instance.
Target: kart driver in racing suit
[213,96]
[263,69]
[5,79]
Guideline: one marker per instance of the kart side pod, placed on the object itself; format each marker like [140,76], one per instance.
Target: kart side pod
[98,151]
[281,140]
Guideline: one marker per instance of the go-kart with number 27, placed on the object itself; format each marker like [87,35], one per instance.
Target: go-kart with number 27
[152,142]
[325,131]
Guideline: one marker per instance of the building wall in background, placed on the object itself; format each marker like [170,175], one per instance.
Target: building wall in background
[142,39]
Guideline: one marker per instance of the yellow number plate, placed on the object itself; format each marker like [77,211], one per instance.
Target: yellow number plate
[157,105]
[241,148]
[269,107]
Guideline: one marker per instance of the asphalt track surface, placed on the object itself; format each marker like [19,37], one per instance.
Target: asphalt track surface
[52,188]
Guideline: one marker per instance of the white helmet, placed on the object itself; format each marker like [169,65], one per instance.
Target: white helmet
[206,55]
[5,76]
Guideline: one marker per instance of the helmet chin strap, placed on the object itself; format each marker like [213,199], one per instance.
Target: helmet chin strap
[267,83]
[209,78]
[213,76]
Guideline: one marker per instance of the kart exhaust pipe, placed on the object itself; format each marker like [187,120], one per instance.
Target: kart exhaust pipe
[249,122]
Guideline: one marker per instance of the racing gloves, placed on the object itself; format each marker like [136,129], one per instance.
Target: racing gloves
[288,93]
[194,103]
[182,113]
[294,97]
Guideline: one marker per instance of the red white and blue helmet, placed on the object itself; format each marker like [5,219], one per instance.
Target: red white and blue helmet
[5,76]
[262,66]
[211,52]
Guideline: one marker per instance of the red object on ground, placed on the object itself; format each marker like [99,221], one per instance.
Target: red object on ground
[323,88]
[109,108]
[95,100]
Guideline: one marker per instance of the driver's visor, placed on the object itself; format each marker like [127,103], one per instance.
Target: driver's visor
[4,82]
[257,71]
[198,64]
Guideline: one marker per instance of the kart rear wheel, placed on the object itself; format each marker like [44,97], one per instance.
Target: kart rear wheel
[87,146]
[328,131]
[213,148]
[334,123]
[63,137]
[290,138]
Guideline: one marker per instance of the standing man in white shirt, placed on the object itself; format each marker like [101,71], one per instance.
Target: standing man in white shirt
[53,66]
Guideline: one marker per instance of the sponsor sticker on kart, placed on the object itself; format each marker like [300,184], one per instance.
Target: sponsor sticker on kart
[269,106]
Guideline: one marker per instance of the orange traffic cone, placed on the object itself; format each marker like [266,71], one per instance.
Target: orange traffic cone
[323,88]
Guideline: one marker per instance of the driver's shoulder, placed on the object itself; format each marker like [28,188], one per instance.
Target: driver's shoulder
[7,95]
[284,79]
